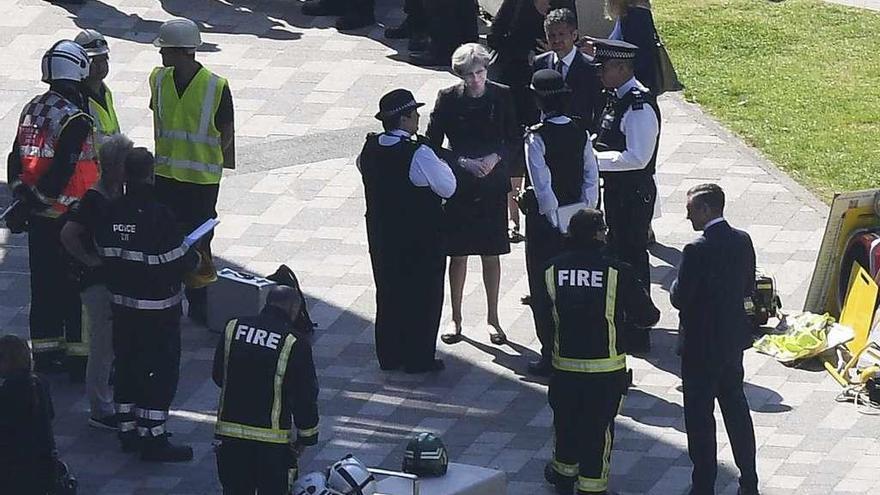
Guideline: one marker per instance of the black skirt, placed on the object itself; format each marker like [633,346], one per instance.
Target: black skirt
[476,225]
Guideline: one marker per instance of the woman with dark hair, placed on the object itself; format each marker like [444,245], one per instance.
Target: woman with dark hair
[27,444]
[476,115]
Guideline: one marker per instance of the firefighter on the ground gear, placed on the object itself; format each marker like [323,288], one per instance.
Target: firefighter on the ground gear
[592,296]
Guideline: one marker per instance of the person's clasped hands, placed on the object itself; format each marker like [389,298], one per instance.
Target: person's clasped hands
[480,167]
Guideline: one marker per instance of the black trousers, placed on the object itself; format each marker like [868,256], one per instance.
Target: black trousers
[417,15]
[543,242]
[628,210]
[147,348]
[192,205]
[56,312]
[584,407]
[247,467]
[703,384]
[409,298]
[451,23]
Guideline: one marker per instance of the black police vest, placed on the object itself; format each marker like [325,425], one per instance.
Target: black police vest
[564,155]
[611,138]
[583,287]
[257,350]
[396,209]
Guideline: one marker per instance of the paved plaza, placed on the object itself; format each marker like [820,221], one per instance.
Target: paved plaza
[305,95]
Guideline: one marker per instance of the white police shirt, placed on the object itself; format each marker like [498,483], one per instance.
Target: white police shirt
[641,128]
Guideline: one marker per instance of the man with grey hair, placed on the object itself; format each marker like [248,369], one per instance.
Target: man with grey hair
[77,237]
[716,279]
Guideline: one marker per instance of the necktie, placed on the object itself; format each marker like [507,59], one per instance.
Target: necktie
[560,66]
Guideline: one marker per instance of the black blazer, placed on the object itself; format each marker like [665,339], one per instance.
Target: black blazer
[587,100]
[715,276]
[637,27]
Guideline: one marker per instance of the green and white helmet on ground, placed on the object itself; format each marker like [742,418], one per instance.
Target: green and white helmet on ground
[425,455]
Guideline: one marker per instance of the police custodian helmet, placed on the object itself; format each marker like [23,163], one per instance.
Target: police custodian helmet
[425,455]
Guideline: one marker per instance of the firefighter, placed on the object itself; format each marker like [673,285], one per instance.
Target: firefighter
[626,145]
[145,259]
[195,140]
[593,296]
[266,372]
[52,165]
[100,99]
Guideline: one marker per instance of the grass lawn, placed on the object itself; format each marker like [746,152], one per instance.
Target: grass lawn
[799,80]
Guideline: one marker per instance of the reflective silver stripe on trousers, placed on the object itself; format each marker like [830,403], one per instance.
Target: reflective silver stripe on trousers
[130,302]
[127,426]
[150,259]
[153,414]
[123,408]
[151,432]
[190,165]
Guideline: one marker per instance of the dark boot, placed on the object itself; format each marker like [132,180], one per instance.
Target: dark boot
[564,484]
[403,31]
[129,441]
[159,449]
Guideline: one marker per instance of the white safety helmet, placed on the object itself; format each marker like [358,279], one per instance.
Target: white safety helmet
[312,484]
[178,33]
[66,60]
[93,42]
[349,476]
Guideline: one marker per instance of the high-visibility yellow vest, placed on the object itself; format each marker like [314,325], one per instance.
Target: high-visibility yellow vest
[106,123]
[188,145]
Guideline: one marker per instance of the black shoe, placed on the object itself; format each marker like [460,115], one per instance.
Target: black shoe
[351,22]
[322,7]
[110,422]
[540,367]
[427,59]
[418,43]
[159,449]
[400,32]
[436,365]
[564,484]
[129,441]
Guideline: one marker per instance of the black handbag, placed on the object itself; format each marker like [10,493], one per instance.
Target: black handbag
[667,79]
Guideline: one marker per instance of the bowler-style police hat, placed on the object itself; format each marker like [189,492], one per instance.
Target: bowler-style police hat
[396,102]
[547,82]
[613,50]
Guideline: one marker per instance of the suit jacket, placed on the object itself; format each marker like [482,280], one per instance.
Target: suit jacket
[715,276]
[587,99]
[637,27]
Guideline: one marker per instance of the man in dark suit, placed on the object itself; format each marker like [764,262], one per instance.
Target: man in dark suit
[580,75]
[715,282]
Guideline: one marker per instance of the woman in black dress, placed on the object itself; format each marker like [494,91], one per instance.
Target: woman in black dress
[477,117]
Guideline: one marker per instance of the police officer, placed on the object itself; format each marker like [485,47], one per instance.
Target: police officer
[562,171]
[593,297]
[100,99]
[145,259]
[195,140]
[405,184]
[267,374]
[52,165]
[626,146]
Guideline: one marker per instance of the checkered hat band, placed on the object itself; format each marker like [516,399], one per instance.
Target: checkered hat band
[394,111]
[608,53]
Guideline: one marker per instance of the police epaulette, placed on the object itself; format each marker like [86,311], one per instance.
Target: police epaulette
[638,97]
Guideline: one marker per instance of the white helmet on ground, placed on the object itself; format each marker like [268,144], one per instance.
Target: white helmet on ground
[312,484]
[349,476]
[66,60]
[93,42]
[178,33]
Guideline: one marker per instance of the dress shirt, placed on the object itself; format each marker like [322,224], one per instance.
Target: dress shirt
[541,180]
[427,169]
[566,61]
[617,32]
[641,128]
[712,222]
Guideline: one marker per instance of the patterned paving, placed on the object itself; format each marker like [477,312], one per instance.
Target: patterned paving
[305,95]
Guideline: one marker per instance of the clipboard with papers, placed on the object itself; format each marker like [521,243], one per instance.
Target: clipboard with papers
[200,231]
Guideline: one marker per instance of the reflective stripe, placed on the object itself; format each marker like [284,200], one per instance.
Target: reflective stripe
[190,165]
[208,105]
[306,433]
[247,432]
[130,302]
[564,469]
[280,371]
[150,259]
[189,136]
[230,331]
[77,349]
[601,365]
[155,431]
[592,484]
[36,151]
[153,414]
[610,308]
[124,408]
[550,283]
[127,426]
[46,345]
[66,200]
